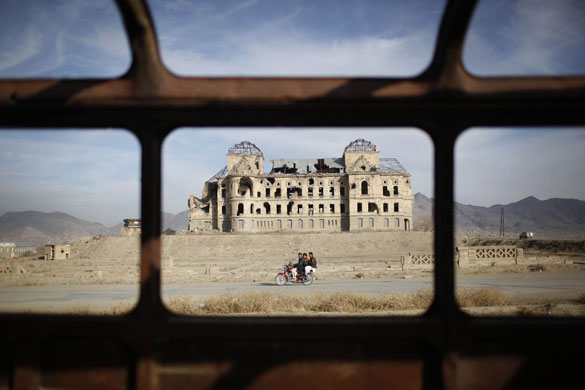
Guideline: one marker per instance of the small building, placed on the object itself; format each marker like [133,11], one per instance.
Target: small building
[7,250]
[131,228]
[11,250]
[57,252]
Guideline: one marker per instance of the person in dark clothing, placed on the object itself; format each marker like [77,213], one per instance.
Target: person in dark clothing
[301,264]
[312,260]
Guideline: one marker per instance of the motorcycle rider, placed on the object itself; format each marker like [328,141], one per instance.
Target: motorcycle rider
[301,264]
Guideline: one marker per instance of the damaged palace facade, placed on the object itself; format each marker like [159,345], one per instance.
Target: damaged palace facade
[357,192]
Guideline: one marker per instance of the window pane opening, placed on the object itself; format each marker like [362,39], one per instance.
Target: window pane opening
[69,39]
[526,38]
[297,38]
[519,212]
[69,221]
[211,258]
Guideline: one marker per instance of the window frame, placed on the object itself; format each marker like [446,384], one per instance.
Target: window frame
[150,101]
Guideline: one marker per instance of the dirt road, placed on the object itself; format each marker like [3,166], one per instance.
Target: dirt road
[553,286]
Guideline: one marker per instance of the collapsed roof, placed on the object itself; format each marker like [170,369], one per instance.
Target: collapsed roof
[328,165]
[308,165]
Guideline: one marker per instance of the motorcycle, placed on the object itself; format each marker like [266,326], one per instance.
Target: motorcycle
[289,274]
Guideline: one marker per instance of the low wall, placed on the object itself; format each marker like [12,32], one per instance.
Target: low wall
[487,255]
[468,256]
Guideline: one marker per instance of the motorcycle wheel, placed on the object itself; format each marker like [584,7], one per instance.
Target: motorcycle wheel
[280,279]
[308,279]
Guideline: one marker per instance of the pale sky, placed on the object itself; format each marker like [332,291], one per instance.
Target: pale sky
[95,175]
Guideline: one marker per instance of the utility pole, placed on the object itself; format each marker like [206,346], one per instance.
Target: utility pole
[502,223]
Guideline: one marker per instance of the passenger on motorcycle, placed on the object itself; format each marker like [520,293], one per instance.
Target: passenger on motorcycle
[312,260]
[302,264]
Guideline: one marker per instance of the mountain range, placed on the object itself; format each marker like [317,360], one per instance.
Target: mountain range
[552,218]
[39,228]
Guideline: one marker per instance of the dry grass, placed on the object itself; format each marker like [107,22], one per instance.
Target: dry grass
[344,302]
[264,302]
[272,303]
[534,311]
[117,309]
[537,268]
[480,297]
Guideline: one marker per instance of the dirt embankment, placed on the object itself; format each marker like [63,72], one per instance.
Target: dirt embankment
[286,246]
[246,257]
[212,257]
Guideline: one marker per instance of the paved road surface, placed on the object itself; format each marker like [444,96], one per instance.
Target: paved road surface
[552,285]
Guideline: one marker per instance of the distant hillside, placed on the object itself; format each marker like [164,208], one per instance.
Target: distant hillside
[422,213]
[552,218]
[177,222]
[38,228]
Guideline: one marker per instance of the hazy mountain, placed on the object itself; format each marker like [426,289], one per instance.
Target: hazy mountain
[552,218]
[38,228]
[176,222]
[546,218]
[422,212]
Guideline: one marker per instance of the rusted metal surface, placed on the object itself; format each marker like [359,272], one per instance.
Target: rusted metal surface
[151,348]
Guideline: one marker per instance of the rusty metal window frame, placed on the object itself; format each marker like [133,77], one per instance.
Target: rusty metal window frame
[150,101]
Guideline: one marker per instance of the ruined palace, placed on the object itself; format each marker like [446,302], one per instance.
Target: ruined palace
[358,191]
